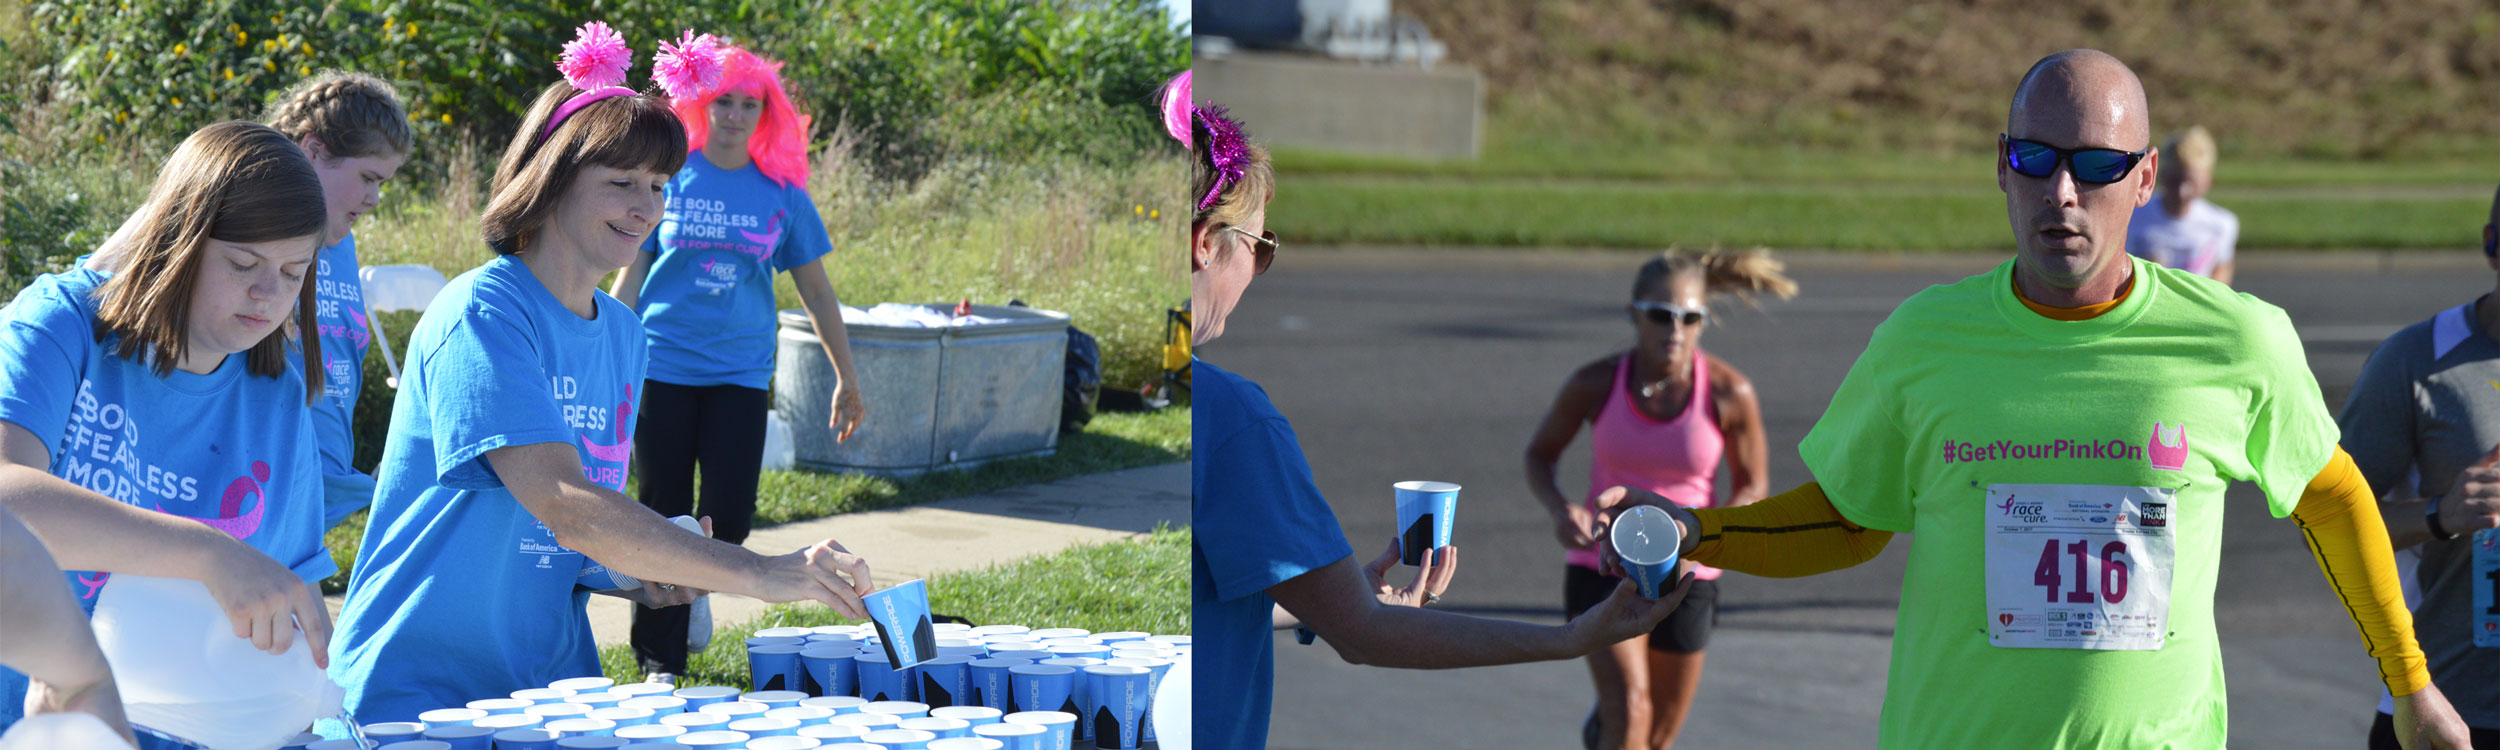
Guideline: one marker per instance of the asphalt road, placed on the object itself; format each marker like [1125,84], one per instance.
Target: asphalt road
[1412,365]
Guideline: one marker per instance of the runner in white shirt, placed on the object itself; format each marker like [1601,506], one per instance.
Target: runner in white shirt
[2179,228]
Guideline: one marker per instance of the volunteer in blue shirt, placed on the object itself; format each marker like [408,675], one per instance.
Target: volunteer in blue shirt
[353,127]
[1281,559]
[513,428]
[152,415]
[737,214]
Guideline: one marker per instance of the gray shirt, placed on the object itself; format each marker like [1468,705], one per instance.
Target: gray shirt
[2427,406]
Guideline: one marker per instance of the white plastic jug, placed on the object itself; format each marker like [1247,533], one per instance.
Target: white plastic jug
[182,671]
[779,452]
[1171,707]
[55,731]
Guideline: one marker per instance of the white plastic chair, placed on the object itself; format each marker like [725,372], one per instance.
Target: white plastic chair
[389,288]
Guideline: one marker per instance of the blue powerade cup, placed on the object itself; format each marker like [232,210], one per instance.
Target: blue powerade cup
[1646,538]
[1426,513]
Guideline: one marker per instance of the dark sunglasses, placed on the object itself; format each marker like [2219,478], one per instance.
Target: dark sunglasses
[1663,313]
[1262,249]
[2098,166]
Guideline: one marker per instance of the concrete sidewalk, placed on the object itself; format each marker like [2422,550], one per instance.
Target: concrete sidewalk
[965,533]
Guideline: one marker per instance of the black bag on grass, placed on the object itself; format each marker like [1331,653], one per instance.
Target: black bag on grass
[1083,383]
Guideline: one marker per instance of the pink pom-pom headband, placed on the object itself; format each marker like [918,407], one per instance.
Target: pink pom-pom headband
[1227,151]
[597,59]
[689,68]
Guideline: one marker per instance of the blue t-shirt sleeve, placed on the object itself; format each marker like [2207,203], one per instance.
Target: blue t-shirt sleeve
[43,340]
[1262,520]
[485,389]
[803,237]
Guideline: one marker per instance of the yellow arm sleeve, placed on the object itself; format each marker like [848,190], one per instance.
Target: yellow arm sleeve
[1789,535]
[2340,518]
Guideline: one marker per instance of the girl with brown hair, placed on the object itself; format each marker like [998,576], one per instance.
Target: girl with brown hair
[356,132]
[167,384]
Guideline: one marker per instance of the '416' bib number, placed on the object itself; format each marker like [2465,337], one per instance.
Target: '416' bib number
[2078,566]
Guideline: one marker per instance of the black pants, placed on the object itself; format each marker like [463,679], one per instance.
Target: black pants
[721,429]
[2383,735]
[1685,631]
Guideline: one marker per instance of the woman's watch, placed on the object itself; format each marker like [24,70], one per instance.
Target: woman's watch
[2438,530]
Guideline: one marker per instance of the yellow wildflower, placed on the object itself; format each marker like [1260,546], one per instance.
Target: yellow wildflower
[1155,214]
[447,118]
[304,70]
[180,48]
[273,20]
[121,117]
[177,101]
[229,74]
[269,65]
[1139,210]
[269,45]
[412,29]
[307,49]
[241,39]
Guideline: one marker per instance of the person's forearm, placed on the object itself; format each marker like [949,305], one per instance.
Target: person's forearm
[47,636]
[2405,520]
[2351,546]
[824,312]
[87,531]
[1541,483]
[1418,638]
[1792,534]
[631,539]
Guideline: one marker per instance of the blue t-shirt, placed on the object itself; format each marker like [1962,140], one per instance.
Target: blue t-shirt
[460,593]
[340,299]
[1248,479]
[708,301]
[229,448]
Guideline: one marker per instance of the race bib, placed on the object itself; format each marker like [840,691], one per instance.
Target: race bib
[2079,566]
[2487,588]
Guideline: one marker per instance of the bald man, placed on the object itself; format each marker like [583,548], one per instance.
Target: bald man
[2058,432]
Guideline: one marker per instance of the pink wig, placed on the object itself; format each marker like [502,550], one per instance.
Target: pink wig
[779,145]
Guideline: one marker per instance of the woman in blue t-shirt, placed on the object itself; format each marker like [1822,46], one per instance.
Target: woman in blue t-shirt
[737,214]
[514,425]
[152,415]
[1281,560]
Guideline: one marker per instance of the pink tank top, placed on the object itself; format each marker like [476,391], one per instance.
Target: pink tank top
[1675,458]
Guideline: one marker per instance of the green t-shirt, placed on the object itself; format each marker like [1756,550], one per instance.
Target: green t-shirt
[1961,388]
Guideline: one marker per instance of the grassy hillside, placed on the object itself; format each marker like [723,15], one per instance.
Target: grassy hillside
[2327,79]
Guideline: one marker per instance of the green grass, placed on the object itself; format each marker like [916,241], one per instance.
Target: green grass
[1115,440]
[1969,215]
[1543,184]
[1137,585]
[1096,242]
